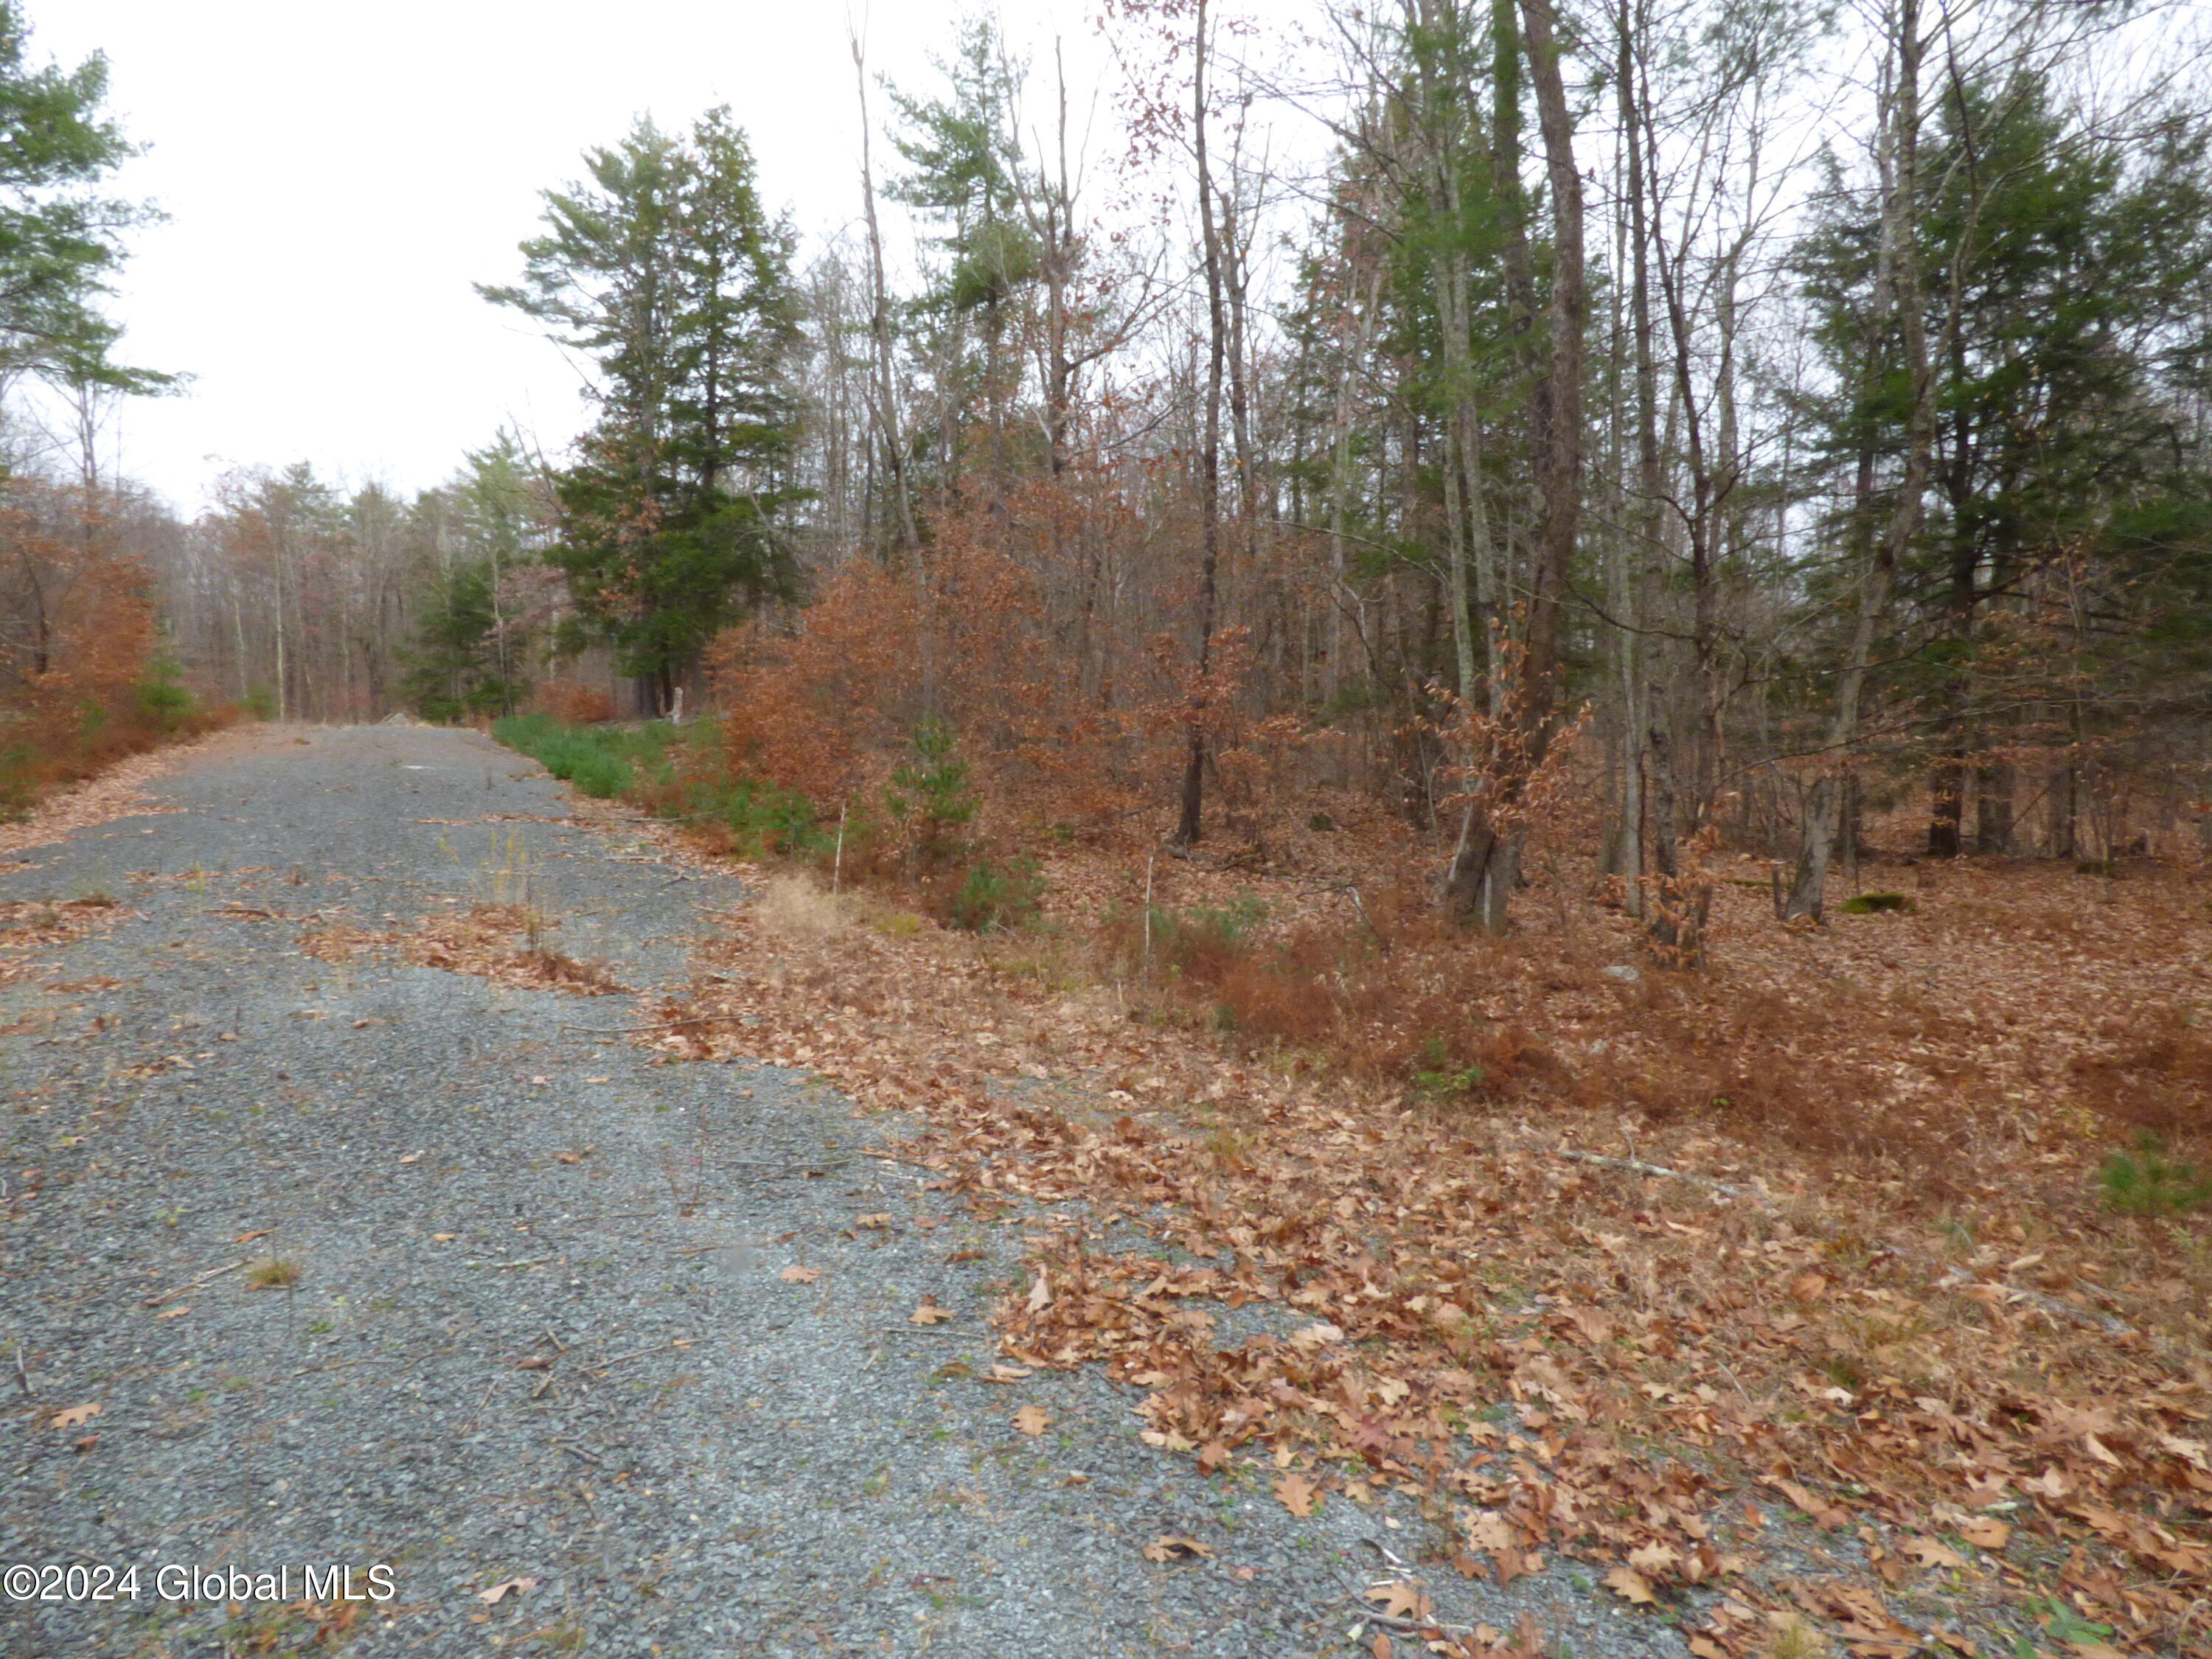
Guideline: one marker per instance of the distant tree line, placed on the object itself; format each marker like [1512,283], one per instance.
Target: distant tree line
[1775,417]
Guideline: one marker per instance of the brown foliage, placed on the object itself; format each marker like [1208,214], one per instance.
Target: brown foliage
[2156,1076]
[999,640]
[572,700]
[75,648]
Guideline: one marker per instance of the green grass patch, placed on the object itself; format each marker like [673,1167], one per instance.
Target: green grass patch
[607,761]
[1869,904]
[2146,1181]
[672,771]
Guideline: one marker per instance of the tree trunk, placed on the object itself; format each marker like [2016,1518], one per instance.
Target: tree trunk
[1486,862]
[1993,808]
[1648,836]
[886,401]
[1188,826]
[1899,262]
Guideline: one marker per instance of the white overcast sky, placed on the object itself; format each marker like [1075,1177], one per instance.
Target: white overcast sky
[337,177]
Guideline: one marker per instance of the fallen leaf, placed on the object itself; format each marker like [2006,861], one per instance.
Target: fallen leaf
[1033,1421]
[1491,1531]
[576,1156]
[1211,1456]
[1298,1494]
[1040,1293]
[1177,1549]
[70,1417]
[1402,1598]
[443,1238]
[173,1313]
[1380,1647]
[88,1443]
[492,1597]
[1006,1374]
[929,1313]
[873,1222]
[799,1275]
[259,1232]
[1933,1552]
[536,1362]
[1632,1585]
[1075,1478]
[1654,1560]
[1986,1534]
[410,1157]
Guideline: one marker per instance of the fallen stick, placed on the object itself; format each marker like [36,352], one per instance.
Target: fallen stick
[606,1365]
[480,1404]
[1638,1167]
[187,1288]
[662,1025]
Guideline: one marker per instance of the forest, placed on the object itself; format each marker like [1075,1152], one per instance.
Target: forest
[1726,429]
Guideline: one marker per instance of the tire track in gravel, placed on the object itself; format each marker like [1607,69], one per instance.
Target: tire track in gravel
[541,1330]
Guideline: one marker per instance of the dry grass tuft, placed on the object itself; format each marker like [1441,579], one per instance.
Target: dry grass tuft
[1797,1640]
[278,1273]
[794,907]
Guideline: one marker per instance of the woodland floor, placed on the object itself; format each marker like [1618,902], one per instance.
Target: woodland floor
[686,1261]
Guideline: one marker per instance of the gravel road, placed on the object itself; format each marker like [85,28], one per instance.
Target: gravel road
[542,1328]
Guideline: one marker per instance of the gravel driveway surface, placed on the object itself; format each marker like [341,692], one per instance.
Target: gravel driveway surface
[544,1333]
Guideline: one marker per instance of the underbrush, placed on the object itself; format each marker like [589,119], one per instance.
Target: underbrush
[1404,1001]
[912,840]
[66,742]
[671,771]
[604,762]
[1864,1048]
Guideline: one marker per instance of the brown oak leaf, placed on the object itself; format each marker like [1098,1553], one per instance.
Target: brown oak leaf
[1177,1549]
[1627,1583]
[1297,1493]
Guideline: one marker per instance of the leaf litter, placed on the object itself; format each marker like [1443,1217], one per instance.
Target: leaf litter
[1567,1360]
